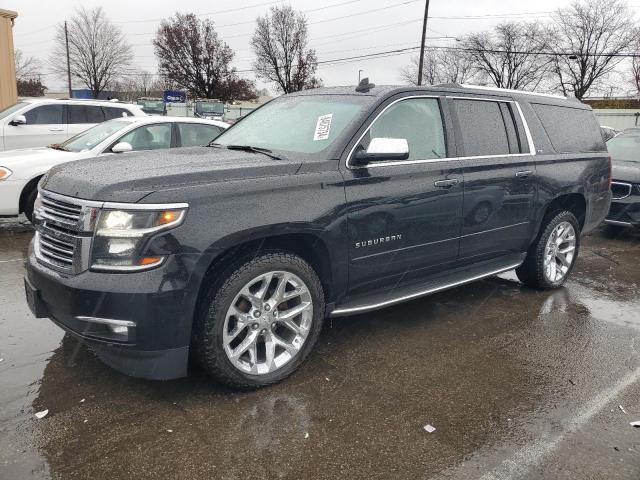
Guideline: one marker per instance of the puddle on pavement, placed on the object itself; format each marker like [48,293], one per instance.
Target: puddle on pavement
[490,365]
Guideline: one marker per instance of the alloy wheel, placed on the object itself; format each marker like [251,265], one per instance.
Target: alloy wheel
[268,322]
[559,252]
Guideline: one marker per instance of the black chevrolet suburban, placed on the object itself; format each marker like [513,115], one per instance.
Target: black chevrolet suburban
[327,202]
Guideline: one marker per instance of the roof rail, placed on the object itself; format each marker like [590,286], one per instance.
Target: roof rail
[509,90]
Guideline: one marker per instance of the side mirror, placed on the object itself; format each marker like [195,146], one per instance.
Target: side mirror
[121,147]
[18,120]
[383,149]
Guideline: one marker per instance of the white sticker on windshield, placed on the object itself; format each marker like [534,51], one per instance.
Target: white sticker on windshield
[323,127]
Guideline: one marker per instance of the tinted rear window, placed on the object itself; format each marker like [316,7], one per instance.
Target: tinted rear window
[483,128]
[113,112]
[571,130]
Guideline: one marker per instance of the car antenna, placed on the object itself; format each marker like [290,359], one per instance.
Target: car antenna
[364,86]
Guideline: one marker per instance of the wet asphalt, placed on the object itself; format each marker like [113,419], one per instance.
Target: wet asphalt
[518,384]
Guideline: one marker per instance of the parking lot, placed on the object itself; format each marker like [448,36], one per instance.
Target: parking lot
[518,384]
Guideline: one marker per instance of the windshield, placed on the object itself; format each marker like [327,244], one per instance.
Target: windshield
[304,124]
[12,109]
[625,147]
[92,137]
[210,107]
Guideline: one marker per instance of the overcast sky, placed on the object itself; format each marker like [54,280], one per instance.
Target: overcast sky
[337,28]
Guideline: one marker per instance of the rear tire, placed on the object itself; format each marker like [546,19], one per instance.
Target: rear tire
[552,256]
[254,304]
[29,200]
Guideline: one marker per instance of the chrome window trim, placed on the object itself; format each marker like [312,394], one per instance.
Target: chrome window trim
[626,184]
[532,151]
[509,90]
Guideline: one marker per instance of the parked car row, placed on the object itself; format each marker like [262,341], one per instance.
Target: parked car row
[40,122]
[21,170]
[357,199]
[625,205]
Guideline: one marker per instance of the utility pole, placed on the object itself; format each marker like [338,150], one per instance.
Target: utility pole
[424,36]
[66,39]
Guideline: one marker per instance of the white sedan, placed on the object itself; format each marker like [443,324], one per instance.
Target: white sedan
[21,170]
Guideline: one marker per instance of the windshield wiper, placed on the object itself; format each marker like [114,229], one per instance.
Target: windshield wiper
[249,148]
[57,146]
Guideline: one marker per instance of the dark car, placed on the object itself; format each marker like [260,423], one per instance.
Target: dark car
[362,198]
[625,187]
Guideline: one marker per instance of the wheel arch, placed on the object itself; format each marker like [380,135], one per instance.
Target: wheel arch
[573,202]
[28,188]
[308,243]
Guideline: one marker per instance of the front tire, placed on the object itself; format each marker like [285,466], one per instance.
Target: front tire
[260,320]
[29,200]
[552,256]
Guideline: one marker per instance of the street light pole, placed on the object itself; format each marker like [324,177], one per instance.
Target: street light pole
[66,39]
[424,36]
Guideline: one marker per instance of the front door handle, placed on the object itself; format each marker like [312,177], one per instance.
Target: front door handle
[56,129]
[446,183]
[524,173]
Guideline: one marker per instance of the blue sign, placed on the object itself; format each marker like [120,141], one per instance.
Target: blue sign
[174,96]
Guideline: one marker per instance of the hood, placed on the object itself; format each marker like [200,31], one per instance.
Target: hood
[132,176]
[626,171]
[36,154]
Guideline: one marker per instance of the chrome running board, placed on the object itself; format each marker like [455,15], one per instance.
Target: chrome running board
[427,288]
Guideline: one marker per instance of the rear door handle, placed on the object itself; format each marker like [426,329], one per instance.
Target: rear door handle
[56,129]
[446,183]
[524,173]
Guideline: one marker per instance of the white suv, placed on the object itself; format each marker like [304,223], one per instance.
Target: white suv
[38,122]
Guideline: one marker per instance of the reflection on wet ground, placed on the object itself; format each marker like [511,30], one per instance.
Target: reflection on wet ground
[518,383]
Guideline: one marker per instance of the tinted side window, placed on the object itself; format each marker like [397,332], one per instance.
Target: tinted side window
[45,115]
[483,128]
[84,114]
[112,112]
[571,130]
[193,134]
[419,121]
[150,137]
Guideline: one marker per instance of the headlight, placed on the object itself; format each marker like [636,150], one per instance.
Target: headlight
[5,173]
[121,236]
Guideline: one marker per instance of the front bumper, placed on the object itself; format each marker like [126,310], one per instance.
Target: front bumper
[10,191]
[149,306]
[625,212]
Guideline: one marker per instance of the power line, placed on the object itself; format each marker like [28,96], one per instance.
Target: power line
[326,7]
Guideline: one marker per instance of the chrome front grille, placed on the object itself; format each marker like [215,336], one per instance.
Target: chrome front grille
[64,227]
[60,211]
[620,190]
[56,248]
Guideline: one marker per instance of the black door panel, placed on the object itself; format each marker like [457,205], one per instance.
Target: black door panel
[404,222]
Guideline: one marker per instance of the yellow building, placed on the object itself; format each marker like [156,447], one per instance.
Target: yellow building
[8,87]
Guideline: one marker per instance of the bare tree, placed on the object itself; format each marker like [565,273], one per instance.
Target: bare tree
[26,67]
[514,55]
[282,56]
[98,50]
[589,36]
[193,57]
[440,66]
[635,73]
